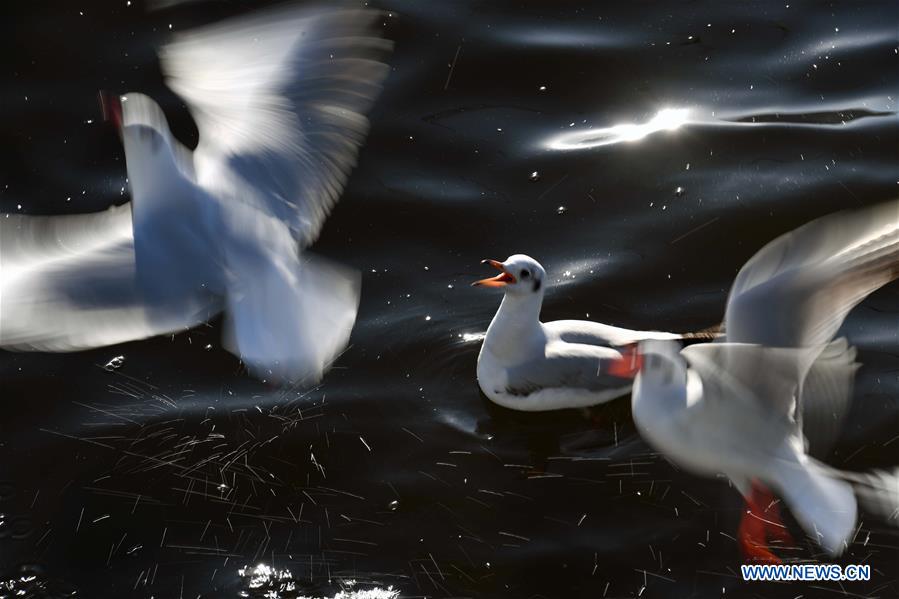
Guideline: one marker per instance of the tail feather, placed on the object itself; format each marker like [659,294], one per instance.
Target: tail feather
[290,319]
[825,506]
[877,492]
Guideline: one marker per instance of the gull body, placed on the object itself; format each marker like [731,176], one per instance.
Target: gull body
[736,406]
[279,99]
[528,365]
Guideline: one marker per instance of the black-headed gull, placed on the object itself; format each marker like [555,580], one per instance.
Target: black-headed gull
[279,100]
[530,365]
[731,407]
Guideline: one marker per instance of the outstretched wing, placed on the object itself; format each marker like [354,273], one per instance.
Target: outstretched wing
[762,378]
[280,100]
[767,380]
[68,283]
[798,289]
[827,394]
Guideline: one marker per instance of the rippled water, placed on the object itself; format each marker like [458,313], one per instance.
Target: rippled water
[641,152]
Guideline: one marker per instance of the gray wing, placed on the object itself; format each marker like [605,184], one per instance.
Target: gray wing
[798,289]
[568,365]
[280,101]
[767,380]
[68,283]
[595,333]
[826,395]
[762,378]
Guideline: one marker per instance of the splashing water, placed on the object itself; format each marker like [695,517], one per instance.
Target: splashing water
[272,583]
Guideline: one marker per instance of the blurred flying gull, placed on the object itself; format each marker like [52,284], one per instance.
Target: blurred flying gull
[279,99]
[731,407]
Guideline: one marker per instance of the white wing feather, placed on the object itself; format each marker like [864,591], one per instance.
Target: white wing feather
[280,100]
[68,283]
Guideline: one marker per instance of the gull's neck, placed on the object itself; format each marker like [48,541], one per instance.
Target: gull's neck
[515,331]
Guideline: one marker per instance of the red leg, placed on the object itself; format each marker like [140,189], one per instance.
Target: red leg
[757,526]
[770,512]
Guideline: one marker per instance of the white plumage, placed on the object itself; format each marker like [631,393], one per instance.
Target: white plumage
[529,365]
[279,99]
[736,406]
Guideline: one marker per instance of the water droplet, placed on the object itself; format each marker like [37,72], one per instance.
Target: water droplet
[427,318]
[542,88]
[535,176]
[393,505]
[561,210]
[679,192]
[115,363]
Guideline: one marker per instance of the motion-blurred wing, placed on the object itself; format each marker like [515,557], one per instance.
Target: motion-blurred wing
[770,377]
[798,289]
[827,394]
[68,283]
[280,101]
[752,374]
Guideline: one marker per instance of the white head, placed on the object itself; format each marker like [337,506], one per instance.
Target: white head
[663,370]
[520,276]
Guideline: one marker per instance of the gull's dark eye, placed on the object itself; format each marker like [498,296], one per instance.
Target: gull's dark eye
[524,274]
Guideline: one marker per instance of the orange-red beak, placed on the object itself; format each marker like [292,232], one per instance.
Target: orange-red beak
[500,280]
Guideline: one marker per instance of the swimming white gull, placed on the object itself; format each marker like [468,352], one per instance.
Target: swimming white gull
[530,365]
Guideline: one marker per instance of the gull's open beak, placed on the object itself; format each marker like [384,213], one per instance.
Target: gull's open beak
[500,280]
[111,107]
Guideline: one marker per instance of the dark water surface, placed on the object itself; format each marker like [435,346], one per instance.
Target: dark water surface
[165,477]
